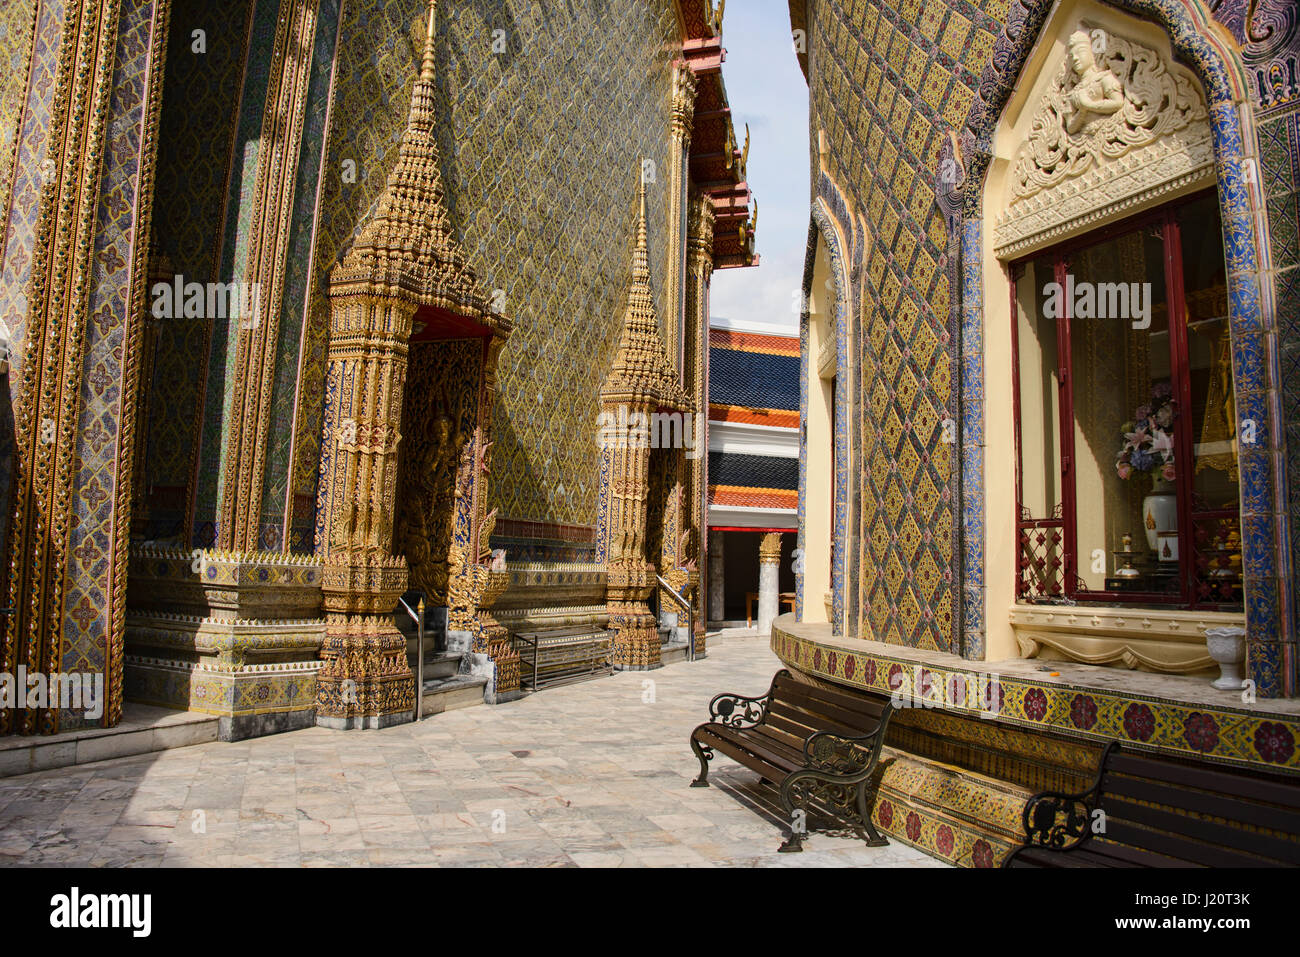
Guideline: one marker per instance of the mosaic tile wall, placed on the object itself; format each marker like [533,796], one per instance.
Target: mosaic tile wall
[18,236]
[886,81]
[17,25]
[541,149]
[1269,35]
[195,141]
[246,114]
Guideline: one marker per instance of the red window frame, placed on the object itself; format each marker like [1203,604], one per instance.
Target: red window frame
[1048,545]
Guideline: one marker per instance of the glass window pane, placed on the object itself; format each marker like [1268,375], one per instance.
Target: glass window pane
[1125,410]
[1040,527]
[1216,530]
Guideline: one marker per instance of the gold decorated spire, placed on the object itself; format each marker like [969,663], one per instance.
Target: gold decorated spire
[641,370]
[406,244]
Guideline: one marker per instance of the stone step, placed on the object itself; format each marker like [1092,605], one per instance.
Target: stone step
[143,729]
[449,694]
[673,651]
[440,665]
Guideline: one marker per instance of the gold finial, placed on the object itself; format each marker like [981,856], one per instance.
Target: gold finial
[426,68]
[641,257]
[718,13]
[744,159]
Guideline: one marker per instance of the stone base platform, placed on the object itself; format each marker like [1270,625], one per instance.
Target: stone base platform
[972,741]
[143,729]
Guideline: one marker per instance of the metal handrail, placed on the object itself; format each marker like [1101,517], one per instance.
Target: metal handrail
[417,615]
[690,616]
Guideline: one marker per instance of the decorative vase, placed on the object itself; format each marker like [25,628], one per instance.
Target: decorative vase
[1159,512]
[1227,646]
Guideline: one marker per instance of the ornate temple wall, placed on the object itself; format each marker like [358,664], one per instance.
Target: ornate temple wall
[541,144]
[72,295]
[146,139]
[196,144]
[901,93]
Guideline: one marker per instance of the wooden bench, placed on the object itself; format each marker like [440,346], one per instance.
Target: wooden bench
[1144,811]
[817,746]
[560,655]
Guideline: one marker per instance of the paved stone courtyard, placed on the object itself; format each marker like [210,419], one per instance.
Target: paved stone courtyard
[588,774]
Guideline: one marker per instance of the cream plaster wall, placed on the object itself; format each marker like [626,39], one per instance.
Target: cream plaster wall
[820,444]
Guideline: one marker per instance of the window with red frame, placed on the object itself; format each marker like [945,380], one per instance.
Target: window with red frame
[1126,433]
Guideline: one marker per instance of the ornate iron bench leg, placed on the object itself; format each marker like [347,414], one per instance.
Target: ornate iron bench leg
[794,843]
[864,814]
[705,755]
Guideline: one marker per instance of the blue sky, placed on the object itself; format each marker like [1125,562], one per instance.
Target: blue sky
[767,90]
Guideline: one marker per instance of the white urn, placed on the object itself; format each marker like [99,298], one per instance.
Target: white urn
[1227,646]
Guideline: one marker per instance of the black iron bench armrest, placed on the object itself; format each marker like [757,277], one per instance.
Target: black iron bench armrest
[1062,821]
[840,754]
[1057,821]
[738,711]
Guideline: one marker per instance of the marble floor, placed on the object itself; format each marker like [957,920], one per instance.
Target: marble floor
[590,774]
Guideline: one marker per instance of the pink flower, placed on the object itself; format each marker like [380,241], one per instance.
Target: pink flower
[1124,470]
[1167,473]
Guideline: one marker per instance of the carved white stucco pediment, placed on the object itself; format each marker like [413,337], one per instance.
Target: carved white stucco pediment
[1117,127]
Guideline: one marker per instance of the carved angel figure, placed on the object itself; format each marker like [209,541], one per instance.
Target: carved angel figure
[1096,91]
[1102,106]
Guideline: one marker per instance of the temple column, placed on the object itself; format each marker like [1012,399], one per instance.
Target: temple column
[365,680]
[631,576]
[769,584]
[74,298]
[683,121]
[699,276]
[717,586]
[641,383]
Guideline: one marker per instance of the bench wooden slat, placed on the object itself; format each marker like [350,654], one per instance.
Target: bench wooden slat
[792,740]
[791,729]
[1093,854]
[1243,785]
[1126,856]
[825,718]
[765,762]
[792,690]
[1208,833]
[1177,846]
[802,723]
[1202,802]
[770,750]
